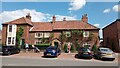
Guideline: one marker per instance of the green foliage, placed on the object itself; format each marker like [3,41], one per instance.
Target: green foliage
[72,48]
[42,44]
[65,48]
[78,32]
[62,37]
[43,40]
[86,46]
[51,36]
[94,48]
[19,35]
[77,45]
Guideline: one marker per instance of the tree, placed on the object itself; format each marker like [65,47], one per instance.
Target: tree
[19,35]
[51,36]
[94,48]
[62,37]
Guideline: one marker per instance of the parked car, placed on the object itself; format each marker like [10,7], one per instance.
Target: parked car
[84,53]
[105,53]
[52,51]
[8,50]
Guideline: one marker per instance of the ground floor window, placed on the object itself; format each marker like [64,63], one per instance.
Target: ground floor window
[87,45]
[9,40]
[13,39]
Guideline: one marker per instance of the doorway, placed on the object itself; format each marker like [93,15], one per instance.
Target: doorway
[56,44]
[23,44]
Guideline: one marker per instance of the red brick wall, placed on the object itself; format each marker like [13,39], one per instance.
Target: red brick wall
[110,35]
[26,32]
[4,34]
[31,38]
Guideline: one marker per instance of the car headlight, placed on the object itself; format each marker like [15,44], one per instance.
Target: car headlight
[6,49]
[53,51]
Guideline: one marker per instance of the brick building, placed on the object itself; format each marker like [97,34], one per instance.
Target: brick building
[111,36]
[34,32]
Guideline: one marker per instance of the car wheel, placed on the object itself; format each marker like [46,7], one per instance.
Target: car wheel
[76,56]
[9,53]
[112,59]
[18,51]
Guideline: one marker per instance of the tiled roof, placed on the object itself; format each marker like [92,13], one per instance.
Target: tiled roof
[58,25]
[61,25]
[21,20]
[41,26]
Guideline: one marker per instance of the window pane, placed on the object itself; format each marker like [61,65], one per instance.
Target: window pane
[9,40]
[13,40]
[10,28]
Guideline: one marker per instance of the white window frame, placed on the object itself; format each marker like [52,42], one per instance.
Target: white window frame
[46,35]
[8,40]
[36,35]
[38,41]
[68,32]
[9,28]
[86,43]
[11,34]
[86,34]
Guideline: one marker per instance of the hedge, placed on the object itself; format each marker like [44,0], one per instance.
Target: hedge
[40,46]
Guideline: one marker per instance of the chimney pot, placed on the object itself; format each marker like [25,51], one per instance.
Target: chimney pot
[64,19]
[28,16]
[85,18]
[54,19]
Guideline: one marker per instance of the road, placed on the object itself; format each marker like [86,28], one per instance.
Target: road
[30,59]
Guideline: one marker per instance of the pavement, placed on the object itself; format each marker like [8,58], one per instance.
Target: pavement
[65,59]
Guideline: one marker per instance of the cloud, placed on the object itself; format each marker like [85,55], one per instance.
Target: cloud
[97,25]
[116,8]
[7,16]
[106,10]
[76,4]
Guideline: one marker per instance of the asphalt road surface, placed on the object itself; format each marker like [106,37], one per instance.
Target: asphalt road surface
[39,61]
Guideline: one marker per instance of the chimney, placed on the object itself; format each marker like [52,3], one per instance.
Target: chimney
[28,16]
[54,19]
[64,19]
[85,18]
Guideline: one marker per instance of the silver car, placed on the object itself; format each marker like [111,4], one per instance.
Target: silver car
[105,53]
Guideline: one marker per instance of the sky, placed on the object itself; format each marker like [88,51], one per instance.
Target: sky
[100,14]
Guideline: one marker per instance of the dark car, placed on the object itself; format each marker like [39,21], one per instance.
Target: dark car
[104,53]
[52,51]
[84,53]
[8,50]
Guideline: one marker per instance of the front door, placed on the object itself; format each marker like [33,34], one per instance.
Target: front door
[56,44]
[23,43]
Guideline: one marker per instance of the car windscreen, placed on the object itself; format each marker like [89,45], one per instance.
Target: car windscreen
[52,48]
[105,50]
[85,50]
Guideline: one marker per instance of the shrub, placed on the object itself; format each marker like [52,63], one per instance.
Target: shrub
[65,48]
[72,48]
[40,46]
[94,48]
[86,46]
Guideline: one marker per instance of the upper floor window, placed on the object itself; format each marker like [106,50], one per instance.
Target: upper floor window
[46,35]
[10,28]
[38,34]
[68,34]
[86,34]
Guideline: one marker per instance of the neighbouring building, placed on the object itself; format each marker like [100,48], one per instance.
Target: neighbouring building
[49,32]
[111,36]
